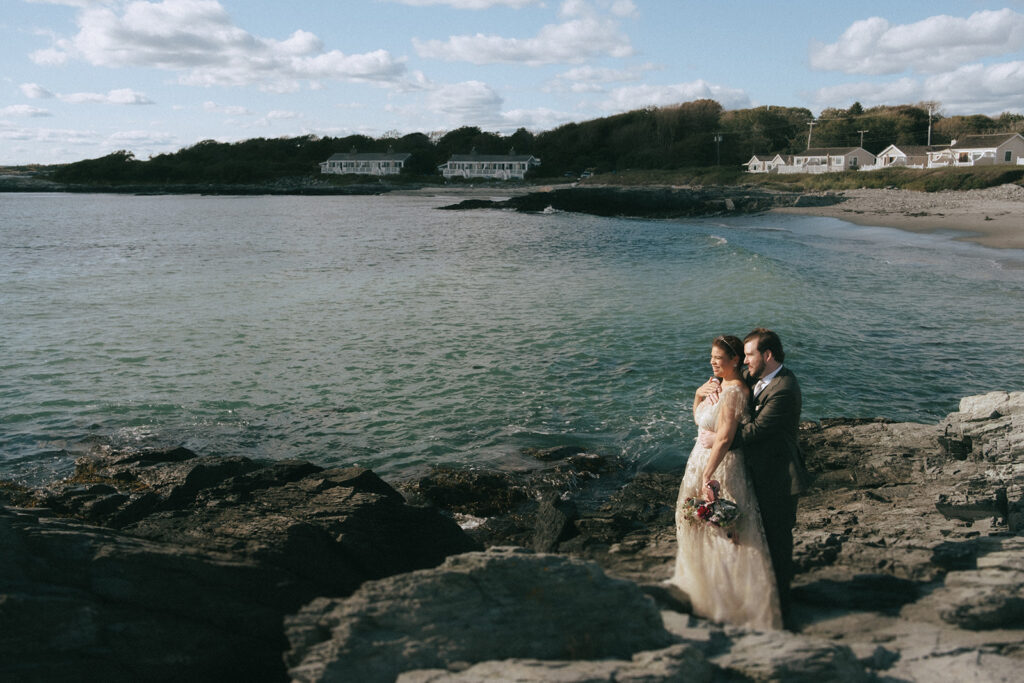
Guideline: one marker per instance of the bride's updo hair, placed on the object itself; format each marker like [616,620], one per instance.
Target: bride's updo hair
[730,345]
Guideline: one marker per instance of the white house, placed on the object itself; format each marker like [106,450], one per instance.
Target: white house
[980,150]
[765,163]
[829,160]
[906,156]
[366,163]
[496,166]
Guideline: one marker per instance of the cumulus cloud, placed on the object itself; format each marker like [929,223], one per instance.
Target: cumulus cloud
[117,96]
[623,8]
[51,56]
[638,96]
[970,89]
[975,87]
[471,102]
[198,39]
[70,3]
[870,93]
[24,110]
[534,119]
[469,4]
[584,34]
[34,91]
[586,79]
[231,110]
[933,45]
[140,138]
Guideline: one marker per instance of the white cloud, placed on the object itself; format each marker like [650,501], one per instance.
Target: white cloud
[638,96]
[870,94]
[469,4]
[970,89]
[48,136]
[198,39]
[118,96]
[34,91]
[230,110]
[71,3]
[24,110]
[278,115]
[623,8]
[49,57]
[584,35]
[469,103]
[140,138]
[585,79]
[534,119]
[933,45]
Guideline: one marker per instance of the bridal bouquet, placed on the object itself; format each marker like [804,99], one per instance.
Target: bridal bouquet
[718,512]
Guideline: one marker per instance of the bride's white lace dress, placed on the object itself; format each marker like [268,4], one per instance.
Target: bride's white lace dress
[727,582]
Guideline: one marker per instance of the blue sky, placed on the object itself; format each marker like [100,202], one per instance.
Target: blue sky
[83,78]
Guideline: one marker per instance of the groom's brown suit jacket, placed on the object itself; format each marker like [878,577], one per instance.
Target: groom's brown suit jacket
[772,455]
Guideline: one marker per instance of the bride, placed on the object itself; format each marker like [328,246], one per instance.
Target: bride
[728,576]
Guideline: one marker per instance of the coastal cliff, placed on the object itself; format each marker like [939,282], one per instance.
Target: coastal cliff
[167,565]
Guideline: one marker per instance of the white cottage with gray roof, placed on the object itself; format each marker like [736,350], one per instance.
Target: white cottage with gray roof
[366,163]
[495,166]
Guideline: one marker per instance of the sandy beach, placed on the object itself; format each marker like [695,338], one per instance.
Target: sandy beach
[993,217]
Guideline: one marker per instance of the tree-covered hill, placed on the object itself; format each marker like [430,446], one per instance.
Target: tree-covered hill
[698,134]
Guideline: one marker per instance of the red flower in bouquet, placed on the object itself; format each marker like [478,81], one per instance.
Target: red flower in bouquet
[719,513]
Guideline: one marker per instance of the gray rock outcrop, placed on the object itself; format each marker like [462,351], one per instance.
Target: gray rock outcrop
[475,607]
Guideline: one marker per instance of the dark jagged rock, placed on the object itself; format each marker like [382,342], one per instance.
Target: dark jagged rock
[199,561]
[652,202]
[553,523]
[82,601]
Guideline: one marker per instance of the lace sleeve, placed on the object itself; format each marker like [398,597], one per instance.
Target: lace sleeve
[734,406]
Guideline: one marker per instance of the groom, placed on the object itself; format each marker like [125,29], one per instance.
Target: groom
[771,451]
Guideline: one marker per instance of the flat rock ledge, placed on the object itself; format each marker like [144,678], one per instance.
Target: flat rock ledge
[168,565]
[653,202]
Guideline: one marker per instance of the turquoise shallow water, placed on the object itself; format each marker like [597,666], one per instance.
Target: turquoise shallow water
[380,331]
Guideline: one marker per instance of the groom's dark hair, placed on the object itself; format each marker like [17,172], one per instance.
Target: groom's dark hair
[767,341]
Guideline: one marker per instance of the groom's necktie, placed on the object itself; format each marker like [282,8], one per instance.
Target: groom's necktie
[759,387]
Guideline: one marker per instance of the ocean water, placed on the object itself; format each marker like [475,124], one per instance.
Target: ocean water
[382,332]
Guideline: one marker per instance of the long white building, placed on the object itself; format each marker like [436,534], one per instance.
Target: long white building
[494,166]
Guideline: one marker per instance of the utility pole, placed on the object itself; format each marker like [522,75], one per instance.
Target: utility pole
[929,125]
[718,155]
[809,131]
[862,136]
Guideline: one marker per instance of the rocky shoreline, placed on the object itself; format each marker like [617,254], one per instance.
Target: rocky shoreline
[653,202]
[169,565]
[283,186]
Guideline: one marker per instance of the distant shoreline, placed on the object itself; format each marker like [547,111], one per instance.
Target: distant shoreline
[993,217]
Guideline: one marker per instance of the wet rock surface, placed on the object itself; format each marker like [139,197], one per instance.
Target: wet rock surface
[168,565]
